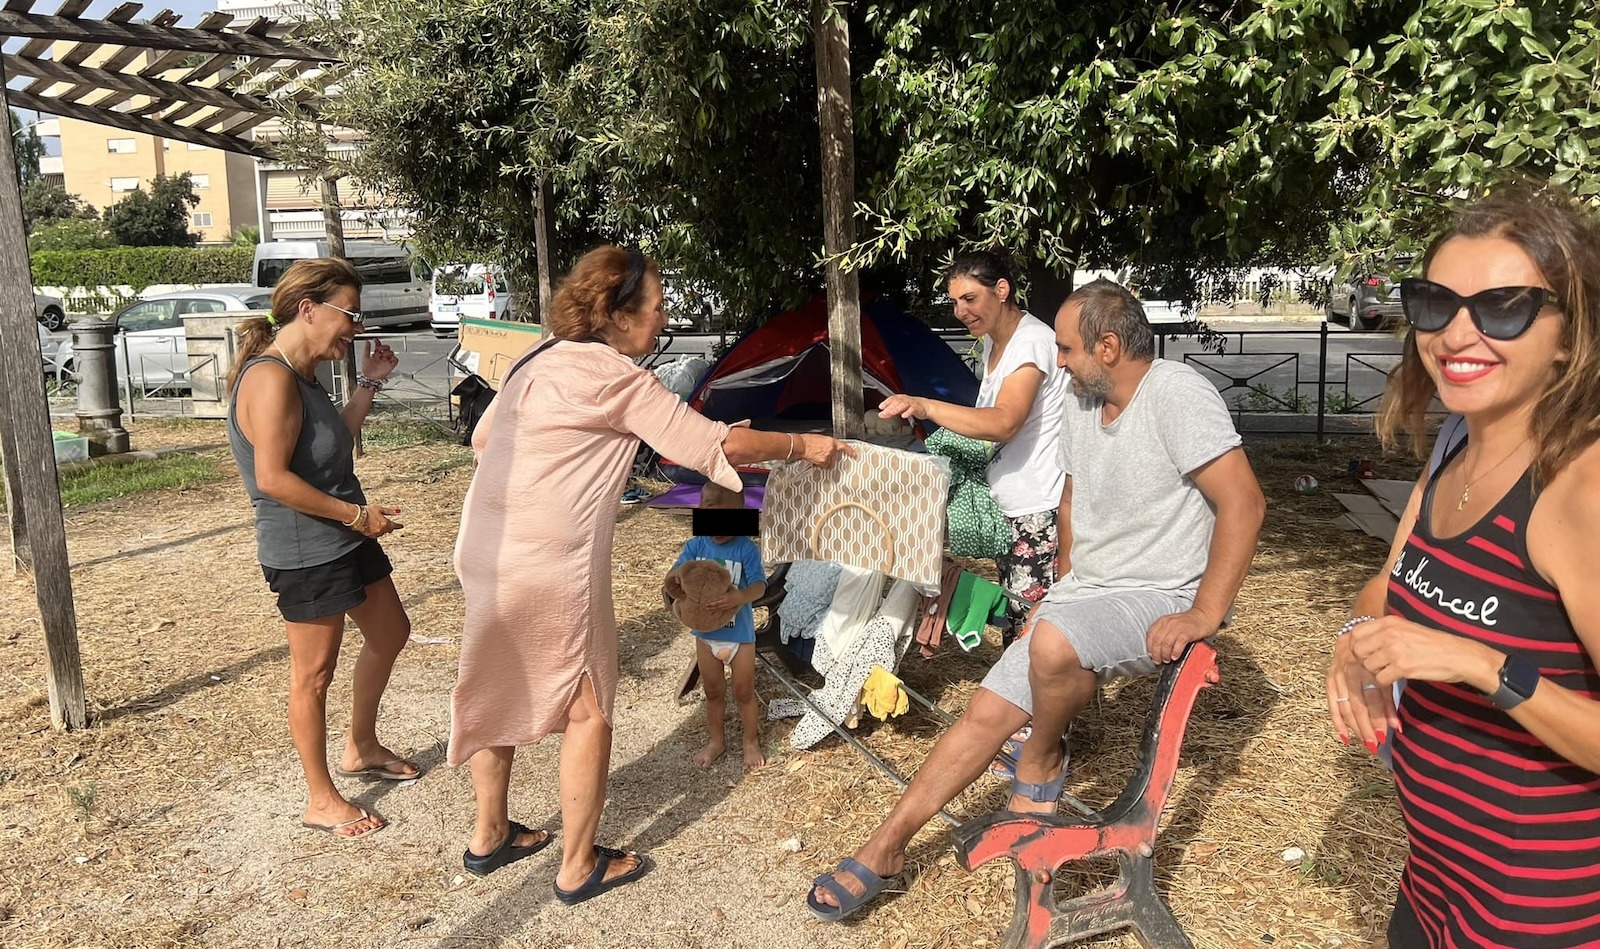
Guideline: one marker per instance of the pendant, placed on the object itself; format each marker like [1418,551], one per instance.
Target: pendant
[1463,502]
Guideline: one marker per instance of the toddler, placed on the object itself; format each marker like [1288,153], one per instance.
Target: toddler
[732,646]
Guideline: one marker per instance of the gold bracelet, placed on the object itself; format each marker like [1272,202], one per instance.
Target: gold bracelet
[351,523]
[790,455]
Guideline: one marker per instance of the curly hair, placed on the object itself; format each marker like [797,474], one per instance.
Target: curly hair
[605,281]
[314,279]
[1563,239]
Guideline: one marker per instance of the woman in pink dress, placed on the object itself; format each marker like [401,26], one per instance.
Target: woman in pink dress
[539,645]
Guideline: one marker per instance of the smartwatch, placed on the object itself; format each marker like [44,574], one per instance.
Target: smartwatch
[1518,679]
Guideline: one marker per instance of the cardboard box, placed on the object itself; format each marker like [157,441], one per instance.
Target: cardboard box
[490,347]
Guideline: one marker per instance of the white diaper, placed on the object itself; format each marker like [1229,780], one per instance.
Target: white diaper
[723,649]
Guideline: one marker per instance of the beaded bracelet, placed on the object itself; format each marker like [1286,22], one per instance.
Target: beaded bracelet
[1353,622]
[373,384]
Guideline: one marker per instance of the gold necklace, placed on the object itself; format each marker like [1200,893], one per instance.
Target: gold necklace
[1466,488]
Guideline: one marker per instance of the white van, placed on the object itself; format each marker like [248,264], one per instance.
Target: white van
[482,291]
[394,289]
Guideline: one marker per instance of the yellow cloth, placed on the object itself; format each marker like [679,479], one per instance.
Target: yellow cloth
[883,695]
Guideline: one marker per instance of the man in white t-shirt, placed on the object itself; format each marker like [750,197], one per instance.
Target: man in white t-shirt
[1159,518]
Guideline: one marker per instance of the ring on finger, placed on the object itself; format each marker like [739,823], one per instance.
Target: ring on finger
[1342,698]
[1369,687]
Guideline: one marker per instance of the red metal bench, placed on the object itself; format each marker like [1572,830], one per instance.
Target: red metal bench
[1041,844]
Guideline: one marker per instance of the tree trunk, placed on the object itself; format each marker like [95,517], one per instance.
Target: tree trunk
[544,237]
[831,29]
[31,455]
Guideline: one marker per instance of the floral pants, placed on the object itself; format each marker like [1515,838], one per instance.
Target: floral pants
[1029,568]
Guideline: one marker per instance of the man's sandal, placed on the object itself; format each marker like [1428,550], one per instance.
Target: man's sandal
[1048,792]
[848,902]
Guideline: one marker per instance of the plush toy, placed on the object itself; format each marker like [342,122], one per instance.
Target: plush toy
[691,586]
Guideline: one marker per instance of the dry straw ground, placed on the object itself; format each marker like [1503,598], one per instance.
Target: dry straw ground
[172,821]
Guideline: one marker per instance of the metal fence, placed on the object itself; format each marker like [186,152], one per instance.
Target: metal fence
[1309,382]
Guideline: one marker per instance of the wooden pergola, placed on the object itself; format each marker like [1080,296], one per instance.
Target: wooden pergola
[210,84]
[213,84]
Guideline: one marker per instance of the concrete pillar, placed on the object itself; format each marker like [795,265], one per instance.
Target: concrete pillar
[99,412]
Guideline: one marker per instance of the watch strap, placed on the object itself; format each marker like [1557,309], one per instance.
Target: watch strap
[1518,680]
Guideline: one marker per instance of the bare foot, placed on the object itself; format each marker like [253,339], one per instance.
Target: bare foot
[753,757]
[356,759]
[342,812]
[887,866]
[707,756]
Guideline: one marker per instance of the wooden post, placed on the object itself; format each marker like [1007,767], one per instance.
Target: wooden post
[31,452]
[831,29]
[544,235]
[16,517]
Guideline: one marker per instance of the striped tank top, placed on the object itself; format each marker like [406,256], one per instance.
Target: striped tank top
[1504,833]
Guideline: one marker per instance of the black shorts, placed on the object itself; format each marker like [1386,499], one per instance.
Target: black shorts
[328,589]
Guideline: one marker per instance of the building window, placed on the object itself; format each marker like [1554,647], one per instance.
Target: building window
[124,184]
[120,146]
[200,219]
[200,181]
[196,147]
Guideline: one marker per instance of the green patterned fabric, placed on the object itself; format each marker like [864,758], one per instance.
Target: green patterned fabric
[977,528]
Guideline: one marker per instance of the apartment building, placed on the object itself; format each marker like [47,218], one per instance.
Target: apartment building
[102,164]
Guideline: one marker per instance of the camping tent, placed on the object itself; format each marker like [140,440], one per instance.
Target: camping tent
[776,375]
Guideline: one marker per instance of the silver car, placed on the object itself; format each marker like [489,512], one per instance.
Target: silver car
[150,333]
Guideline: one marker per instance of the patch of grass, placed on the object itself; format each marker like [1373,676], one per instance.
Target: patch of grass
[390,432]
[100,482]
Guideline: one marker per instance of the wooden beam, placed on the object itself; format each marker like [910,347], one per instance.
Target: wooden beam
[831,32]
[160,89]
[34,453]
[147,36]
[133,123]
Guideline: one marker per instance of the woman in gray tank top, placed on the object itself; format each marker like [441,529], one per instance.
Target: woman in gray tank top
[316,532]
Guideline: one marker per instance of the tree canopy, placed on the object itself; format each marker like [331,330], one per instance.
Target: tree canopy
[1171,137]
[44,204]
[155,218]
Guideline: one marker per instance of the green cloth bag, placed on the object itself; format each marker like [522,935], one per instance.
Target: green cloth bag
[977,528]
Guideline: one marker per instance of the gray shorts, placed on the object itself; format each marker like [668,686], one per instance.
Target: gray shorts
[1107,629]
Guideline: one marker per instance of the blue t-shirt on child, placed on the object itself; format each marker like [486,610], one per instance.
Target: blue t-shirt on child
[743,561]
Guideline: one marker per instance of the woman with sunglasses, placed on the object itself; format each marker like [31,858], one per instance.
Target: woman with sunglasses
[316,531]
[539,643]
[1489,604]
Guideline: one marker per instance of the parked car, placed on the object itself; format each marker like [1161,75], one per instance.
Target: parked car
[394,282]
[49,346]
[1370,301]
[481,291]
[52,313]
[150,333]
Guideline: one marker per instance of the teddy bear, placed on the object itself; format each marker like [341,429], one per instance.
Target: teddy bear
[693,584]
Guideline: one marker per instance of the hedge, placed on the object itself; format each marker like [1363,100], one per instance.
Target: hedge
[141,267]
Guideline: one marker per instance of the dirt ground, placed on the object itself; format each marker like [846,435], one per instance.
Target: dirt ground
[173,820]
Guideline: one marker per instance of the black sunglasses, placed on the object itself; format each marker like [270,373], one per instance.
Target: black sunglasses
[1501,313]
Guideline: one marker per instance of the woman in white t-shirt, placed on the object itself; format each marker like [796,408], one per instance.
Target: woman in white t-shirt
[1019,409]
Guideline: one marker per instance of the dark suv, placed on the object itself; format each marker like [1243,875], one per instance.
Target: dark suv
[1370,301]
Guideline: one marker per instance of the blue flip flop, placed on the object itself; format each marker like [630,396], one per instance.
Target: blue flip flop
[597,882]
[848,902]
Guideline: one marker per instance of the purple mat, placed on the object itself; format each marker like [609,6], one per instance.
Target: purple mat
[688,495]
